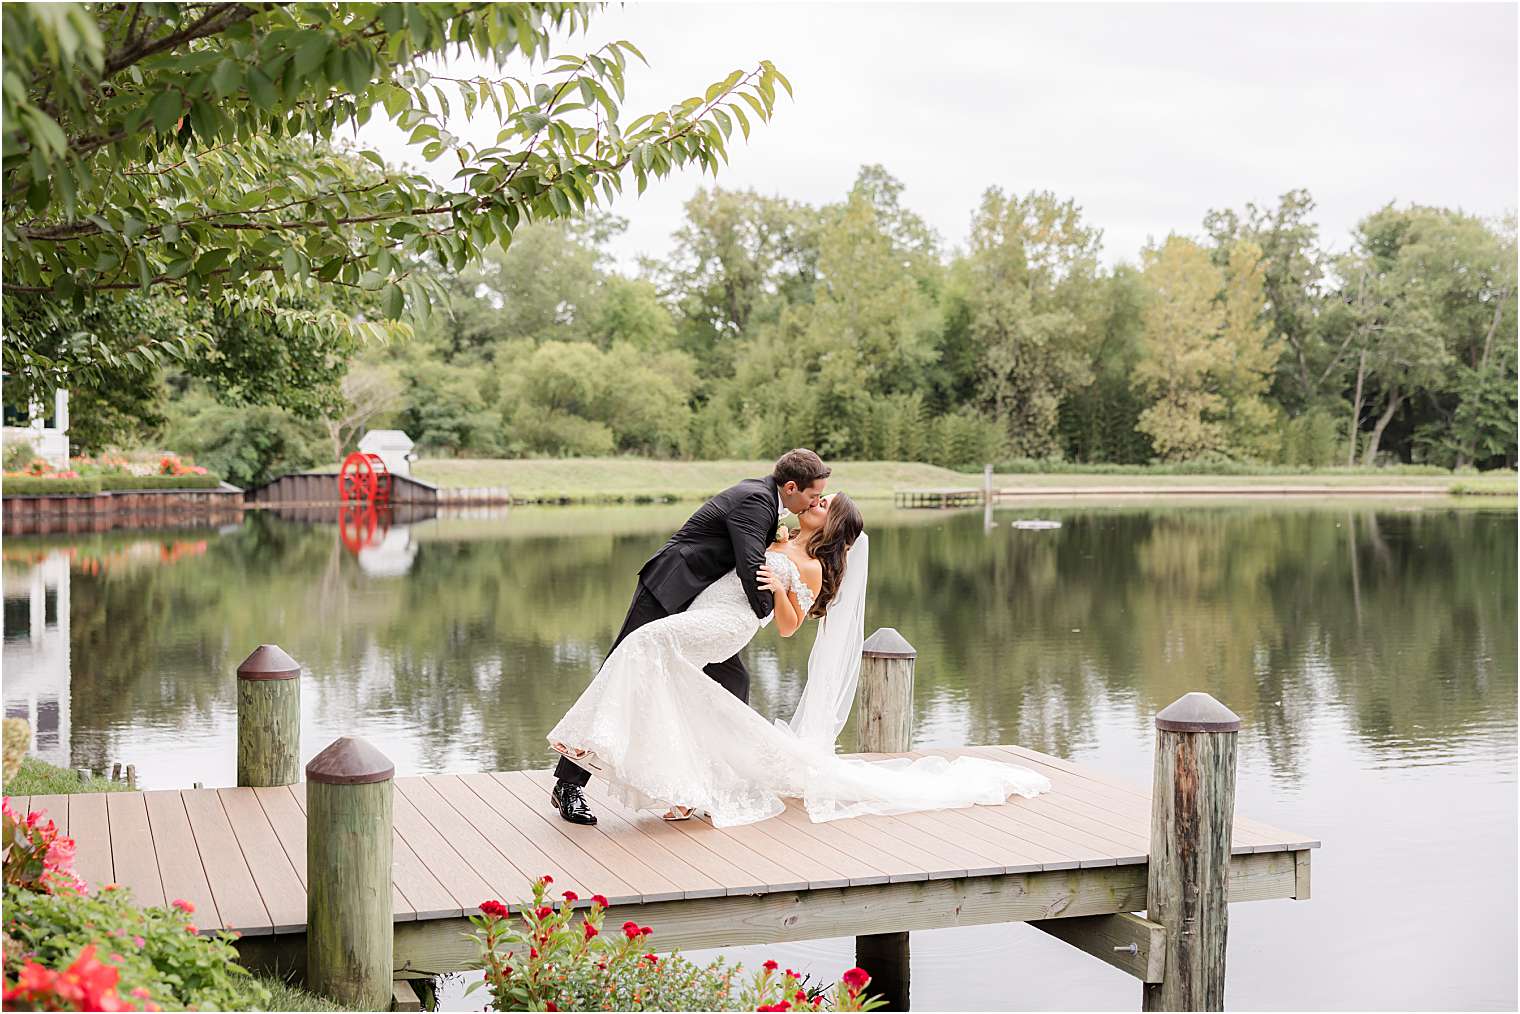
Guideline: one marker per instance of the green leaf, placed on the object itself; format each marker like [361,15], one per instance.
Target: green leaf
[226,79]
[311,53]
[262,89]
[165,110]
[393,300]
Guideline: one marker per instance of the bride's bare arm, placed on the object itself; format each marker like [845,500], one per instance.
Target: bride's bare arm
[787,612]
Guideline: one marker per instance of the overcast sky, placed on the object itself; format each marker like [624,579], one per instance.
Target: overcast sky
[1147,114]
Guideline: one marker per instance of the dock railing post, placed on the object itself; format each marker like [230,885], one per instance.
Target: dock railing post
[885,725]
[268,718]
[1192,810]
[350,936]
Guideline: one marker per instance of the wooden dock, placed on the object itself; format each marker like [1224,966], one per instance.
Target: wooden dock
[239,855]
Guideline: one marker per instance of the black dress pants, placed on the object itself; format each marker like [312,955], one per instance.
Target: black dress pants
[645,608]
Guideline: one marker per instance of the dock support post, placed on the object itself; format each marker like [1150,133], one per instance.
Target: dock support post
[885,725]
[1192,810]
[269,718]
[350,938]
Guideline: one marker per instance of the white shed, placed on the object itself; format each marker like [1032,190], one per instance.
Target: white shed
[394,448]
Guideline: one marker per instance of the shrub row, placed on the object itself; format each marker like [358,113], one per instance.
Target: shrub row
[31,485]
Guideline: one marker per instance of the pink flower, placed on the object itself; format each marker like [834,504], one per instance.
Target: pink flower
[183,905]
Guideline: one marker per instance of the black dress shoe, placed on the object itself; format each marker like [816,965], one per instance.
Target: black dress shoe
[571,801]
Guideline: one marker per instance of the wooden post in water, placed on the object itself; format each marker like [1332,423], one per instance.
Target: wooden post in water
[1192,810]
[350,938]
[885,725]
[269,718]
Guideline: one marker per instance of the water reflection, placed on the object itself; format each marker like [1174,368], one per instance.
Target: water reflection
[459,640]
[1370,651]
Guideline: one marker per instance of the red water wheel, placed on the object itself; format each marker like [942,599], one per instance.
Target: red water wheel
[359,478]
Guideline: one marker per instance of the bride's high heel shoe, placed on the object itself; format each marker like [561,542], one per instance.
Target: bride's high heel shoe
[676,813]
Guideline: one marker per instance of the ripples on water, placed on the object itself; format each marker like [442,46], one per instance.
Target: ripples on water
[1371,654]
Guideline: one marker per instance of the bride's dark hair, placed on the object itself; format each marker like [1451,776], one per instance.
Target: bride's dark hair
[829,547]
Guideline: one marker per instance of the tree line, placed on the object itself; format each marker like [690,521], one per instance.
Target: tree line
[197,255]
[852,328]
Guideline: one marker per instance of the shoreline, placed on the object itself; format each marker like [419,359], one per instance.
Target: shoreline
[566,481]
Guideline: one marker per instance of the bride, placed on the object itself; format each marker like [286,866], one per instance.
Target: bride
[667,737]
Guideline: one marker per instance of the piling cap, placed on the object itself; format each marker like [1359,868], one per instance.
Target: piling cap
[1197,712]
[887,643]
[269,662]
[349,760]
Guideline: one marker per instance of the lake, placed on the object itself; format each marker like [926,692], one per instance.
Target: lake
[1369,648]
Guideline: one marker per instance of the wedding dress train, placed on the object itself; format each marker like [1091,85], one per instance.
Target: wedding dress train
[662,734]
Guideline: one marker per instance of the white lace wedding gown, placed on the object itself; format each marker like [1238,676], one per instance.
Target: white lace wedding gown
[660,732]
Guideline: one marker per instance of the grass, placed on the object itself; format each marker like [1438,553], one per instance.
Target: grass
[284,996]
[641,480]
[38,778]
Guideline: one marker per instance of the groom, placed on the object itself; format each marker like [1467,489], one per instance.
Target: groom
[729,532]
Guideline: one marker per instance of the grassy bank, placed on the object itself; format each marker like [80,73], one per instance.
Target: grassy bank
[603,480]
[36,778]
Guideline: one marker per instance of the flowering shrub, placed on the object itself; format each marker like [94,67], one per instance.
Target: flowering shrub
[87,984]
[170,464]
[66,949]
[37,857]
[547,959]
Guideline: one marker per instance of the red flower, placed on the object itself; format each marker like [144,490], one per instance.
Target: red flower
[800,997]
[544,912]
[189,927]
[493,908]
[549,1005]
[598,899]
[783,1005]
[572,896]
[653,959]
[644,931]
[589,929]
[630,929]
[856,979]
[532,952]
[770,966]
[183,905]
[546,880]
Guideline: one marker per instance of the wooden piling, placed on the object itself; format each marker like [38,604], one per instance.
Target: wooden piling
[1192,810]
[885,725]
[885,695]
[269,718]
[349,828]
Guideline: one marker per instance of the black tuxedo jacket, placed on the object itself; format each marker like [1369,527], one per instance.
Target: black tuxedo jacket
[729,532]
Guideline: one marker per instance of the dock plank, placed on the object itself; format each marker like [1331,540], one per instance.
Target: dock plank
[232,885]
[239,855]
[57,809]
[622,862]
[765,873]
[179,859]
[132,855]
[462,884]
[882,854]
[283,893]
[507,882]
[90,828]
[695,871]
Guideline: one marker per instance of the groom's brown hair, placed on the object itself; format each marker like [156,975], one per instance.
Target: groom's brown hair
[801,466]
